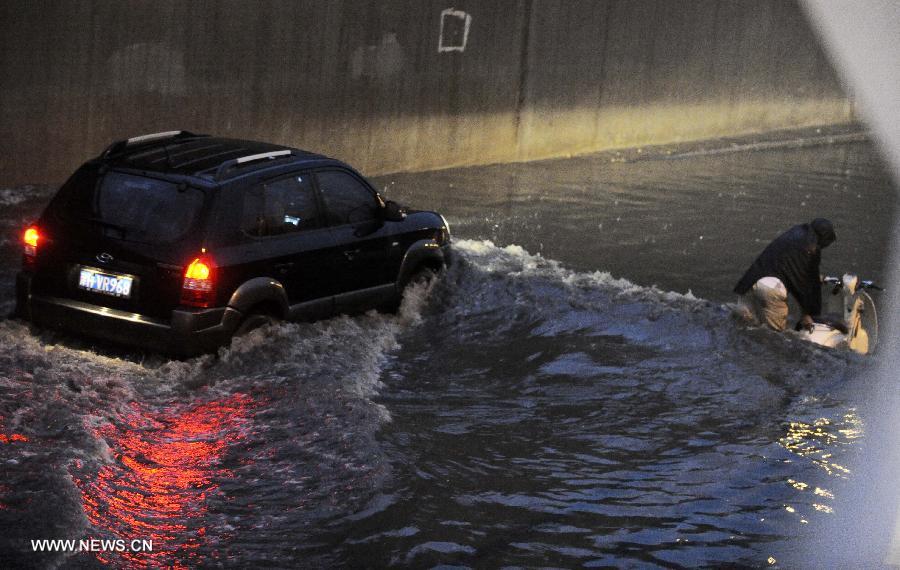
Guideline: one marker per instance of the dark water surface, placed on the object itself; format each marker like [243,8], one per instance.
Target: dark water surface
[573,392]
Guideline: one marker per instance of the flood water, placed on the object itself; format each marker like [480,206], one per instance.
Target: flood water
[572,393]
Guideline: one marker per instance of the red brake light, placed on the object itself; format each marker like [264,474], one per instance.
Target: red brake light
[198,289]
[30,239]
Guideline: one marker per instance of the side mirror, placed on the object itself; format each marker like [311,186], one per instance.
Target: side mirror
[393,212]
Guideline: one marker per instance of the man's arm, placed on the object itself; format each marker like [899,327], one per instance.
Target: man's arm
[811,303]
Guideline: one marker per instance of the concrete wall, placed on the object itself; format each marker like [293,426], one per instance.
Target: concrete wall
[364,80]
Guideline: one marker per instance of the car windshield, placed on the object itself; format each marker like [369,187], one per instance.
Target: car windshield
[137,208]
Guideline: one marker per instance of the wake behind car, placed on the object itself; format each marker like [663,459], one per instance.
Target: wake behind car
[176,242]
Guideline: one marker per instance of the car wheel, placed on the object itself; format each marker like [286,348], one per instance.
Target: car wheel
[422,276]
[254,321]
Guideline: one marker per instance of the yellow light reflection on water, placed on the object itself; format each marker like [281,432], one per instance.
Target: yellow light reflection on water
[818,441]
[821,442]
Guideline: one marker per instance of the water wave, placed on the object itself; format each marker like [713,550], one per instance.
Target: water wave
[303,430]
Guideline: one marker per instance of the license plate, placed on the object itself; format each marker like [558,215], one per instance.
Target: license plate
[106,283]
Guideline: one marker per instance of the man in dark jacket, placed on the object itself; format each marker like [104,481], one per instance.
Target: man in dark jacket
[790,264]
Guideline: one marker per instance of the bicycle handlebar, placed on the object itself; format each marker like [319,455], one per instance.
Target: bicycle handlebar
[838,283]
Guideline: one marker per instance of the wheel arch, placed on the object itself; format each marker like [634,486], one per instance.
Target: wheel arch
[424,253]
[261,292]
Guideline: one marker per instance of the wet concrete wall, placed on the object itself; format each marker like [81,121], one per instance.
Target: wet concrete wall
[393,85]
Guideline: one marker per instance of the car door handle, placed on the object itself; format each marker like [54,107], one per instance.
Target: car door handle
[284,267]
[351,253]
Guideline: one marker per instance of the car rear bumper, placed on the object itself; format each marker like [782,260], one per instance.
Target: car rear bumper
[189,332]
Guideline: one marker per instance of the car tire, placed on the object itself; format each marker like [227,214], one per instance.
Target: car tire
[422,275]
[254,321]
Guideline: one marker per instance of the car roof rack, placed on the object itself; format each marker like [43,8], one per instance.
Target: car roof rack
[236,162]
[121,145]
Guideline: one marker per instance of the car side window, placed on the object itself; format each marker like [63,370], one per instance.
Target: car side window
[280,206]
[347,200]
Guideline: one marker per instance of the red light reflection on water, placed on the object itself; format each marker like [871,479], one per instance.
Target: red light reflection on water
[7,439]
[12,438]
[167,464]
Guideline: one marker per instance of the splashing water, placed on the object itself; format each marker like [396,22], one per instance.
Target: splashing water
[526,409]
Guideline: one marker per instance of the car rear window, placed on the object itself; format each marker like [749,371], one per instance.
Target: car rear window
[135,208]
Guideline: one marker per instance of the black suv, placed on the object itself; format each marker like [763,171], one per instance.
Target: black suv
[176,242]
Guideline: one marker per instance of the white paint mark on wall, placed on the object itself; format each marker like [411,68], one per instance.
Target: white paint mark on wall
[454,30]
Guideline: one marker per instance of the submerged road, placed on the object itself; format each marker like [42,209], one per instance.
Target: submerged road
[573,392]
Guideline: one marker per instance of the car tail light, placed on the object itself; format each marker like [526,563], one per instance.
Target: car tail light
[198,288]
[30,239]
